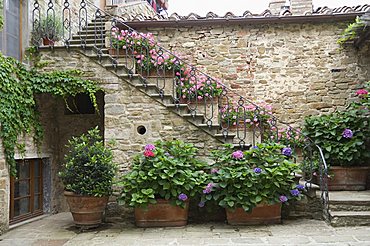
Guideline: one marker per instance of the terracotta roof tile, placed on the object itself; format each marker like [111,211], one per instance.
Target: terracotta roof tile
[247,14]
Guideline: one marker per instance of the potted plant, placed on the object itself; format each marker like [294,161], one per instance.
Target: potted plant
[238,116]
[344,137]
[252,184]
[160,183]
[50,30]
[88,177]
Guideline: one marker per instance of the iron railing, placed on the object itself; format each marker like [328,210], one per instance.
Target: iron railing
[223,110]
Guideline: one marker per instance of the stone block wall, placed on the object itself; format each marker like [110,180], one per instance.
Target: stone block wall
[4,193]
[298,68]
[126,108]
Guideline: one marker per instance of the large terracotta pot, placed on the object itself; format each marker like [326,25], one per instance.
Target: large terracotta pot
[87,211]
[161,214]
[262,214]
[348,178]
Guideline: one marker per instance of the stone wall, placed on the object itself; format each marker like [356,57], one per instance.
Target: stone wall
[298,68]
[127,108]
[4,193]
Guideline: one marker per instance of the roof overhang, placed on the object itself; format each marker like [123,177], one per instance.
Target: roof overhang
[246,20]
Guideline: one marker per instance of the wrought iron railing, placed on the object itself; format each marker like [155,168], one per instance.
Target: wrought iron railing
[224,111]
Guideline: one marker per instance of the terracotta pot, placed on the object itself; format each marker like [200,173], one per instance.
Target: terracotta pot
[121,52]
[348,178]
[87,211]
[46,41]
[161,214]
[262,214]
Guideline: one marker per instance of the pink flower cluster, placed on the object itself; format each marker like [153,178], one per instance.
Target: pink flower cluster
[237,114]
[362,92]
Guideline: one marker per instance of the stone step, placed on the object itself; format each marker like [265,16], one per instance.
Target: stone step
[350,218]
[349,200]
[89,32]
[91,35]
[98,42]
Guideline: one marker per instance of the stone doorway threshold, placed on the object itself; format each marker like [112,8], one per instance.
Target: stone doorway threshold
[28,221]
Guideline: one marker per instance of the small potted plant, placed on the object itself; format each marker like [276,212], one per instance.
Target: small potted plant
[234,115]
[344,138]
[50,30]
[160,183]
[251,185]
[88,177]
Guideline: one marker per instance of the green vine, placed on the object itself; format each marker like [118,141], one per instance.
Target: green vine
[18,108]
[351,32]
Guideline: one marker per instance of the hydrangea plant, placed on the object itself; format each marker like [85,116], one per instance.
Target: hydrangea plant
[262,174]
[165,170]
[344,137]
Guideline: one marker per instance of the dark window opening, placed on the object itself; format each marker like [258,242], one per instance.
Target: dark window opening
[80,104]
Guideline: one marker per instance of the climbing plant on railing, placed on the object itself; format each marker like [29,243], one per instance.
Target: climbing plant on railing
[18,107]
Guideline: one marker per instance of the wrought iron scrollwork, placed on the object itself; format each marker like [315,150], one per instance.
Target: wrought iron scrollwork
[82,24]
[67,27]
[50,24]
[36,25]
[99,26]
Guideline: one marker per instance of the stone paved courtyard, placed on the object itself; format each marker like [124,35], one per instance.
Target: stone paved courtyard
[58,230]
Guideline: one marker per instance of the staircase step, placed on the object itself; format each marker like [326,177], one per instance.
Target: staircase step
[89,32]
[88,41]
[349,200]
[93,35]
[350,218]
[229,138]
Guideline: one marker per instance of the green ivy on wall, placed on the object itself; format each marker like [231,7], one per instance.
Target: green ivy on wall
[351,32]
[18,109]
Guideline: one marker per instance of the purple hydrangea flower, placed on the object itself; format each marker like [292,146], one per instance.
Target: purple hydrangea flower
[300,187]
[214,170]
[257,170]
[283,198]
[183,197]
[287,151]
[201,204]
[295,192]
[207,191]
[149,147]
[255,147]
[237,155]
[347,133]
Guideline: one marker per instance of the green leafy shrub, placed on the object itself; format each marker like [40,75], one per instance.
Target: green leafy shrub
[341,135]
[263,174]
[166,170]
[89,169]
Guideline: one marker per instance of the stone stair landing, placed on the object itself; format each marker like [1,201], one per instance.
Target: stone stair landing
[349,208]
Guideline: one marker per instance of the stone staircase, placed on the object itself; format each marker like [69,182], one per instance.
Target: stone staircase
[92,44]
[349,208]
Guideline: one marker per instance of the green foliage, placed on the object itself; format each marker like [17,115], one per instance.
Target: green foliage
[351,32]
[165,171]
[89,169]
[362,104]
[18,108]
[262,175]
[327,131]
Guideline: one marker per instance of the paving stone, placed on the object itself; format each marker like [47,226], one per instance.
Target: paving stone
[333,239]
[289,240]
[246,240]
[59,230]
